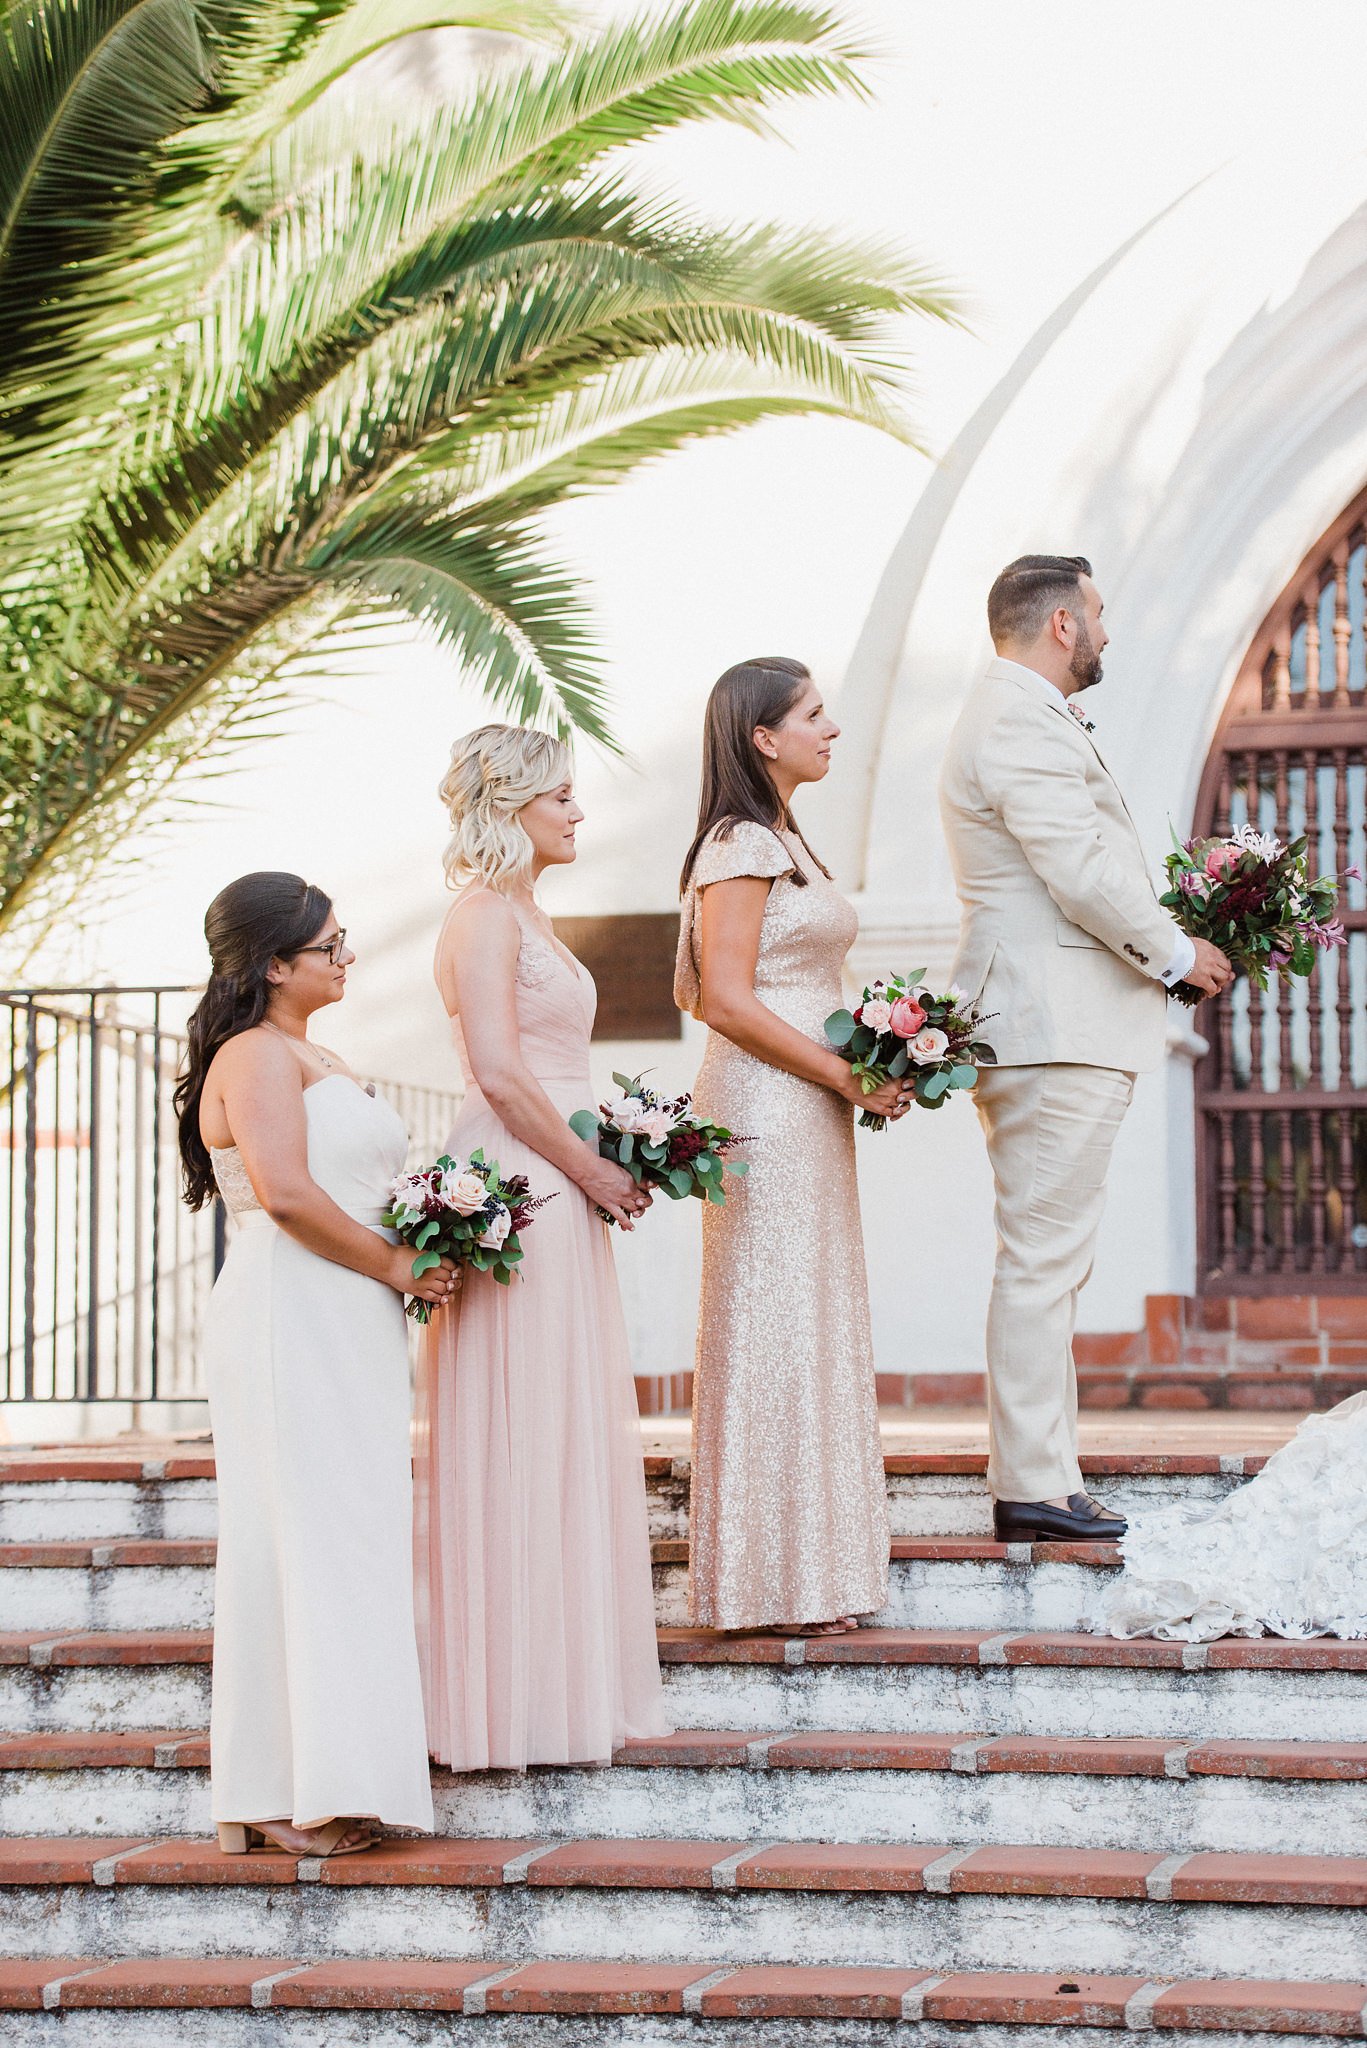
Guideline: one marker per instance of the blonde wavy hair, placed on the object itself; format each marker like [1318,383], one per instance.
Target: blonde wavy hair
[494,771]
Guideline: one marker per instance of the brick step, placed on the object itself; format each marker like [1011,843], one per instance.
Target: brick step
[164,1583]
[894,1680]
[250,1997]
[1285,1797]
[746,1902]
[104,1499]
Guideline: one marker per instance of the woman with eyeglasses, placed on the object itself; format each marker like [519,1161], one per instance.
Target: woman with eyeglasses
[317,1727]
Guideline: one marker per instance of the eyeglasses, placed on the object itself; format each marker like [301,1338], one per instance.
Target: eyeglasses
[332,947]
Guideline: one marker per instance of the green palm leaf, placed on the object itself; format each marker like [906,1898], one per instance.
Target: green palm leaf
[301,367]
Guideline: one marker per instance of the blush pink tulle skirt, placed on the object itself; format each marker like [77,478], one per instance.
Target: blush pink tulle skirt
[536,1623]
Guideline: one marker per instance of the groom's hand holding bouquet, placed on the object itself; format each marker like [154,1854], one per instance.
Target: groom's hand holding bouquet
[1254,899]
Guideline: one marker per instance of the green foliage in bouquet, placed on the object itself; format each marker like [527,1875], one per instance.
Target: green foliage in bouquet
[902,1026]
[662,1144]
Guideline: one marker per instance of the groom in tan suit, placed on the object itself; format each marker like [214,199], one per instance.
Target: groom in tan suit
[1064,941]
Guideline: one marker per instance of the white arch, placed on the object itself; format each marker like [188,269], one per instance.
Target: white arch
[1192,418]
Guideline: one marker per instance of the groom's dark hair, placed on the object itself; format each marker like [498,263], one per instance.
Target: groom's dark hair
[1029,590]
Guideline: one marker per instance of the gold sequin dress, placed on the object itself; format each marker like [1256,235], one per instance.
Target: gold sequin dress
[788,1521]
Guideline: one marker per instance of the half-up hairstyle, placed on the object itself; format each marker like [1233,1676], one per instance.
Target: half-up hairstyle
[257,919]
[494,771]
[736,783]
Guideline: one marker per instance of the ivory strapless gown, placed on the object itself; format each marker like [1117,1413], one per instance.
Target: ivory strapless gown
[536,1620]
[317,1705]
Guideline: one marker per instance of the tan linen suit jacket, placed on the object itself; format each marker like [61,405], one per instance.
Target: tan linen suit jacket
[1062,934]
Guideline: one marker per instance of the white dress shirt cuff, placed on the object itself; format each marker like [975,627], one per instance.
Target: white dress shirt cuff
[1182,961]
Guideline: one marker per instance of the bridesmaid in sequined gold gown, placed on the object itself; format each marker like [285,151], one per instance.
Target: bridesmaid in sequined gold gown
[788,1524]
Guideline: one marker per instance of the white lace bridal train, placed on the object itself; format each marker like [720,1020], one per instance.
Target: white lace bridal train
[1286,1555]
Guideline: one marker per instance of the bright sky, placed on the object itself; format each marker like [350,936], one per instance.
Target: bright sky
[1013,144]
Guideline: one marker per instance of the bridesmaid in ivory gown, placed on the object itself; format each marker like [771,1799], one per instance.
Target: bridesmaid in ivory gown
[536,1618]
[317,1711]
[788,1523]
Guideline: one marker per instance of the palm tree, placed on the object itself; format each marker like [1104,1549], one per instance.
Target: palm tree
[280,358]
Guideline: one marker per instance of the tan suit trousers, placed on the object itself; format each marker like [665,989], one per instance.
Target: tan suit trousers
[1050,1131]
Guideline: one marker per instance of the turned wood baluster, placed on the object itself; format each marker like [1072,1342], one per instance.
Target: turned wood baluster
[1353,1256]
[1312,649]
[1220,824]
[1228,1258]
[1224,1010]
[1277,691]
[1342,626]
[1315,985]
[1257,1171]
[1345,1006]
[1255,792]
[1286,1261]
[1317,1190]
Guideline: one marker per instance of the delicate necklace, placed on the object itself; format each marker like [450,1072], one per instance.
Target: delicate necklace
[289,1035]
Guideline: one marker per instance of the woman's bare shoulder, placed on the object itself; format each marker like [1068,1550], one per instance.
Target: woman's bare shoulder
[482,916]
[255,1054]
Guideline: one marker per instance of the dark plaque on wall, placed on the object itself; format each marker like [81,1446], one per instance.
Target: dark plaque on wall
[632,961]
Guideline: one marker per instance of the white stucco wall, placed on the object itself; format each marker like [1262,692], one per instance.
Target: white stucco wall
[1163,367]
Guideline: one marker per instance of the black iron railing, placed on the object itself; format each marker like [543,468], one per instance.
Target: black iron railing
[106,1273]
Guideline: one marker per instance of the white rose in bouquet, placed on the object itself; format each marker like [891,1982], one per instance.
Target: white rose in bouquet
[463,1190]
[409,1190]
[498,1227]
[655,1125]
[928,1046]
[624,1114]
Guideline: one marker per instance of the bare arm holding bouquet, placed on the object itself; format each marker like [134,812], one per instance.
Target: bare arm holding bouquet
[476,970]
[253,1099]
[732,914]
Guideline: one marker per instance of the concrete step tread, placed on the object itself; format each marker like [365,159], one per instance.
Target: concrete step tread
[776,1991]
[982,1648]
[1229,1877]
[111,1463]
[706,1749]
[163,1553]
[755,1991]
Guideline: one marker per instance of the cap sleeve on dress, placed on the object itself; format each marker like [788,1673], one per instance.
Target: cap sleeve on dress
[749,849]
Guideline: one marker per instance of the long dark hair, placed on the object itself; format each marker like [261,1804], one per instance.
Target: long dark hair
[257,919]
[736,784]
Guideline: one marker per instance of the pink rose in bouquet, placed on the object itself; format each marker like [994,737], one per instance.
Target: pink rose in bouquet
[906,1017]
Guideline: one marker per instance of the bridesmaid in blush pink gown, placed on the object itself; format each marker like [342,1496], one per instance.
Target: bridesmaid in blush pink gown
[536,1622]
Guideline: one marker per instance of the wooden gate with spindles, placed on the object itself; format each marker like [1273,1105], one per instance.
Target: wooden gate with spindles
[1282,1097]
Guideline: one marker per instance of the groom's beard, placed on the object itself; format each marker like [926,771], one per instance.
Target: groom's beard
[1085,666]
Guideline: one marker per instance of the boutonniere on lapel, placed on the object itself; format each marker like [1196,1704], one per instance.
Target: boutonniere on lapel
[1080,715]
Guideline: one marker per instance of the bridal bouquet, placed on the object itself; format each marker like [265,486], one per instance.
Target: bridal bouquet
[1254,899]
[462,1209]
[661,1144]
[902,1025]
